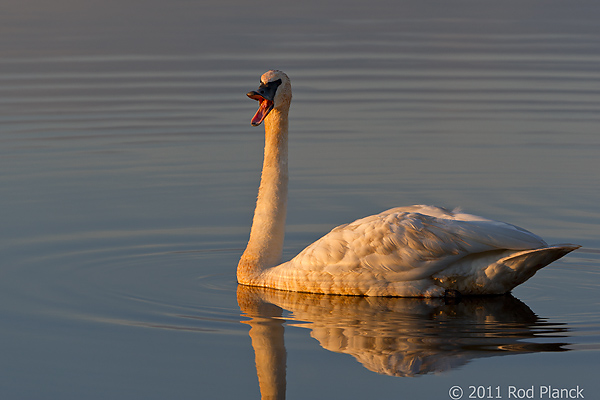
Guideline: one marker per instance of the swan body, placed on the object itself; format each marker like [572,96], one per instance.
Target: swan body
[415,251]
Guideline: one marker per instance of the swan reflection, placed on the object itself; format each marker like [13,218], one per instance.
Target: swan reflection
[392,336]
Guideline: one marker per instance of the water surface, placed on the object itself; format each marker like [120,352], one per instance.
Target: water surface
[130,171]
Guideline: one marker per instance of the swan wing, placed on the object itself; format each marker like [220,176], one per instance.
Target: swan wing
[409,243]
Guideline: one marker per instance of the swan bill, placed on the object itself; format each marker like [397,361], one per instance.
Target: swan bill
[264,109]
[265,95]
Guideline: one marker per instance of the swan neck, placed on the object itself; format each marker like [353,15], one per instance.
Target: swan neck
[265,245]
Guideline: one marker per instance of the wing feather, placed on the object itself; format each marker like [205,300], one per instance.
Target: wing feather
[414,241]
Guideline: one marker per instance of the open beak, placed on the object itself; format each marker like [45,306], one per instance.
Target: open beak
[264,108]
[264,95]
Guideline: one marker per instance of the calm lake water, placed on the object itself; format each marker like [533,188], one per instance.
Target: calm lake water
[129,172]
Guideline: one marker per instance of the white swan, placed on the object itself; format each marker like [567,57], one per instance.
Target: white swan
[408,251]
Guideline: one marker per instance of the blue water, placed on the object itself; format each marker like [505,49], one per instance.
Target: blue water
[129,172]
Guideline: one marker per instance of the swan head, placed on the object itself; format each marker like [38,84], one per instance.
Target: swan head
[274,92]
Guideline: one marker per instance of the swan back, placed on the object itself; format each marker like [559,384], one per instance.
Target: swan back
[416,251]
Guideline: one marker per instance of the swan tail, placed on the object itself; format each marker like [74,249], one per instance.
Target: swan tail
[503,274]
[531,261]
[523,265]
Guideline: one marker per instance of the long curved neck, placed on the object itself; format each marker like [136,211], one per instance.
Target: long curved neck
[265,245]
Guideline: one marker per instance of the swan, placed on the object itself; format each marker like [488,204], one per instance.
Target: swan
[414,251]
